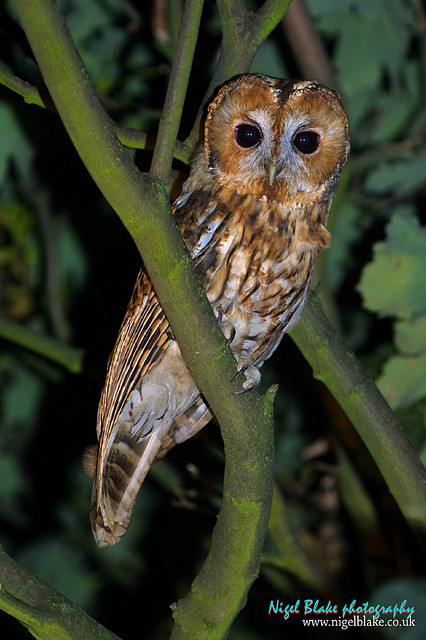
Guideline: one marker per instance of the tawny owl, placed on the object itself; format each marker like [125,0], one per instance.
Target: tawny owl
[253,214]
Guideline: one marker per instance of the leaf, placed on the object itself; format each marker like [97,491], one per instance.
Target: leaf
[398,109]
[13,142]
[403,380]
[327,7]
[86,18]
[402,176]
[73,263]
[348,224]
[269,60]
[394,36]
[413,419]
[410,337]
[12,486]
[355,497]
[394,283]
[21,397]
[358,63]
[401,262]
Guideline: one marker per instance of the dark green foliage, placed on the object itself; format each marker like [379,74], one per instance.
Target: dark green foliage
[67,268]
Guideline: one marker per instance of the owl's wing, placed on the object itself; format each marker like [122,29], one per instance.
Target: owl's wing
[143,337]
[145,333]
[132,399]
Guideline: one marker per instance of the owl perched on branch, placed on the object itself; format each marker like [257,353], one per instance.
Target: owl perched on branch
[253,215]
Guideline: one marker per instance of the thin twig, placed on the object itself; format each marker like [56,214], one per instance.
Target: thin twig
[268,16]
[179,76]
[131,138]
[28,91]
[56,350]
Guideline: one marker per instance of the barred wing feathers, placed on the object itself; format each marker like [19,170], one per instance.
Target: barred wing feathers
[149,403]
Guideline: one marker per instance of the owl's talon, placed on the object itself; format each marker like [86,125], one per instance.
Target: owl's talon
[252,380]
[240,372]
[242,391]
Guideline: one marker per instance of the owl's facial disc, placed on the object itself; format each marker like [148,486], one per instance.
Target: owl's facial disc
[276,139]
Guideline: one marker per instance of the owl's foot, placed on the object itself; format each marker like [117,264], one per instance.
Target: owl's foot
[228,329]
[252,375]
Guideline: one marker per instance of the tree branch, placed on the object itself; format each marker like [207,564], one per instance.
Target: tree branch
[307,45]
[220,590]
[268,17]
[176,90]
[28,91]
[337,366]
[56,350]
[131,138]
[46,614]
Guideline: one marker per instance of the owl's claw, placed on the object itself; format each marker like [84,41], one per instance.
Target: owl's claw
[228,329]
[241,391]
[252,380]
[240,372]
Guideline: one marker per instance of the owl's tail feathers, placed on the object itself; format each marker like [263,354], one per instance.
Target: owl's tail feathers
[117,484]
[128,461]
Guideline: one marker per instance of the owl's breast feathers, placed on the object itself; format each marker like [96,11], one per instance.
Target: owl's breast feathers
[255,258]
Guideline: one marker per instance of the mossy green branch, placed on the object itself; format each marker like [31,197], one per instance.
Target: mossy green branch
[221,587]
[268,16]
[46,614]
[29,92]
[337,366]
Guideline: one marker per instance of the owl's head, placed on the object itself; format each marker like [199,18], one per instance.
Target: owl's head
[276,139]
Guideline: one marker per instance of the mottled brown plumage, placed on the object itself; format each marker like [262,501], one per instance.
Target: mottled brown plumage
[253,214]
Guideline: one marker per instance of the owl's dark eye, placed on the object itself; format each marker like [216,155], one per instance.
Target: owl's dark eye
[306,141]
[247,135]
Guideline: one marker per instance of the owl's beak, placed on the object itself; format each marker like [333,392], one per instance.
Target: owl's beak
[272,173]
